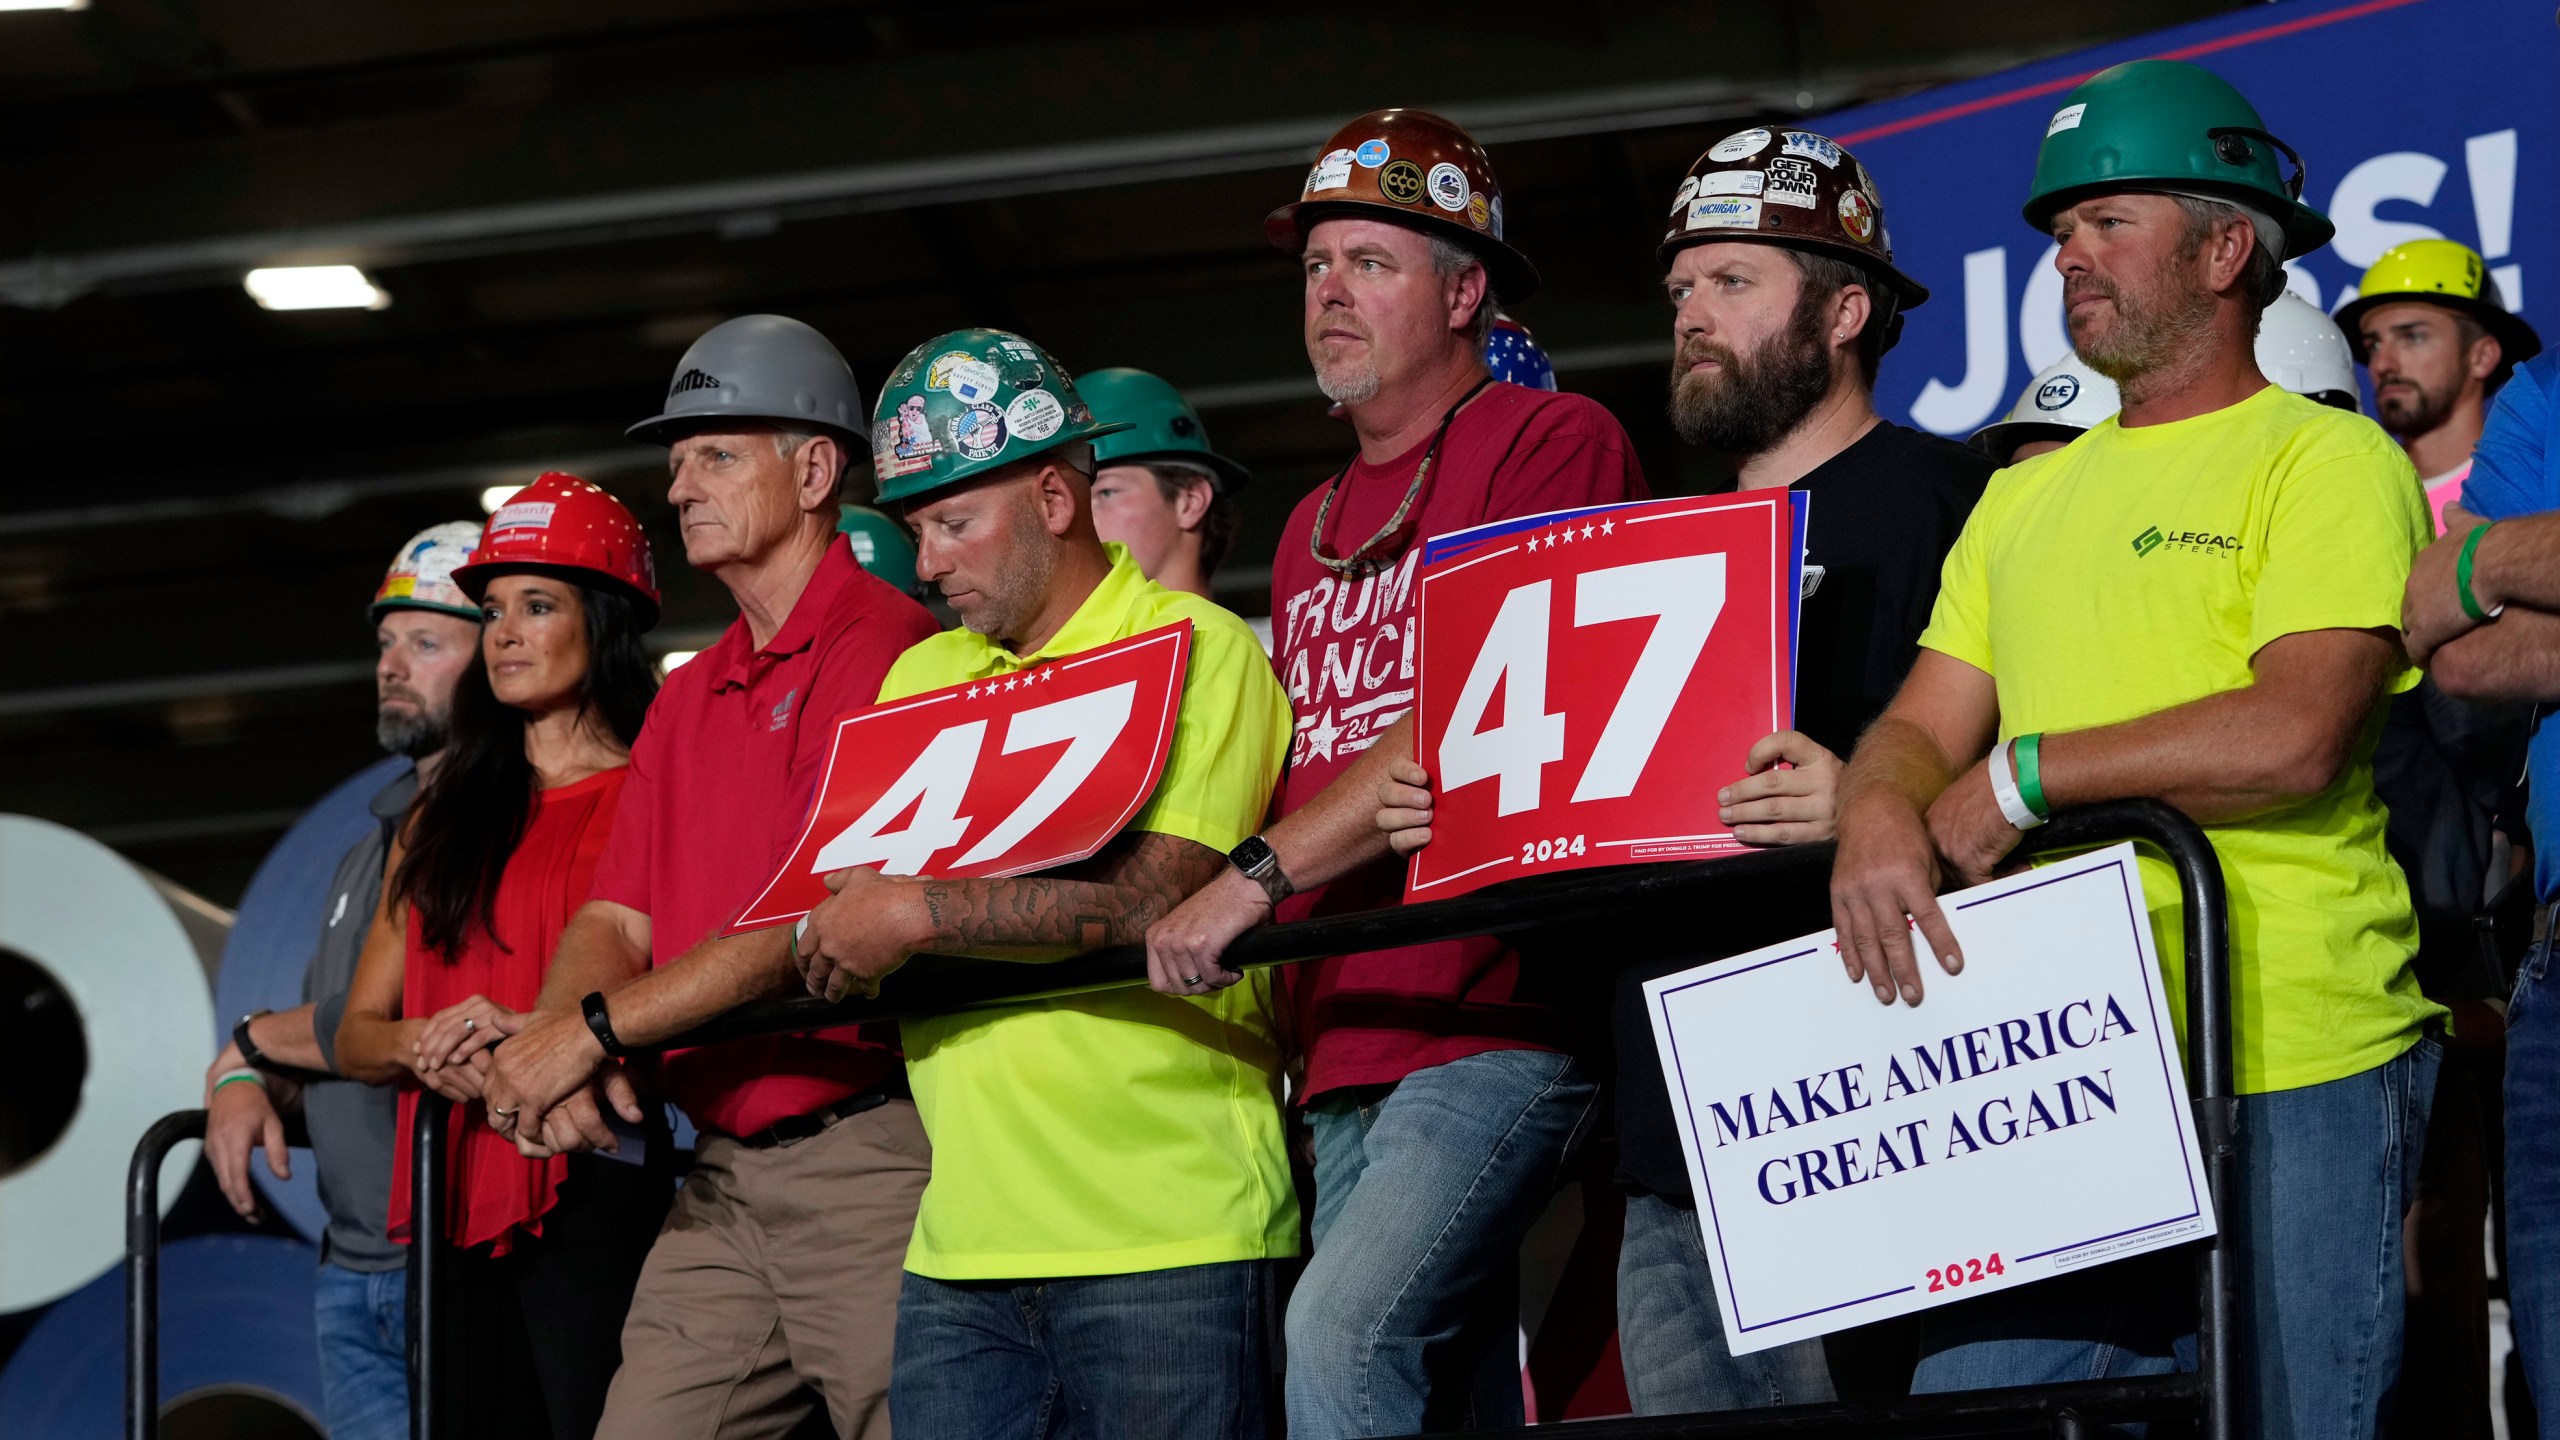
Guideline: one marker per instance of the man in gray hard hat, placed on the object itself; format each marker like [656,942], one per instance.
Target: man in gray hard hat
[773,1287]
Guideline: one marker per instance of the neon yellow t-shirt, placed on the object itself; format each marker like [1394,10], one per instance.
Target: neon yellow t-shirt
[1126,1130]
[2135,570]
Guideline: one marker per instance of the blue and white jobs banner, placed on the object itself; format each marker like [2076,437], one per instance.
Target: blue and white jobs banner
[2416,118]
[1854,1161]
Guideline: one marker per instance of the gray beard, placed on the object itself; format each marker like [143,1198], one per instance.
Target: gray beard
[416,735]
[1349,384]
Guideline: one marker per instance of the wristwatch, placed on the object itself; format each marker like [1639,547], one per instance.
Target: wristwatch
[601,1023]
[1257,862]
[250,1054]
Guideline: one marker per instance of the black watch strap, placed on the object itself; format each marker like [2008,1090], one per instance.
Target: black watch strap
[1256,861]
[250,1054]
[601,1023]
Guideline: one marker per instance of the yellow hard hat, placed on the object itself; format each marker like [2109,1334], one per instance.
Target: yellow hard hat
[2439,272]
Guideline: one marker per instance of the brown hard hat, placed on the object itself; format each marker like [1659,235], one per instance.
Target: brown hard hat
[1789,187]
[1421,171]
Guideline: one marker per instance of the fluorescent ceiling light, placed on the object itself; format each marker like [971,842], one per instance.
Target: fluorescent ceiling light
[44,4]
[668,662]
[495,496]
[312,287]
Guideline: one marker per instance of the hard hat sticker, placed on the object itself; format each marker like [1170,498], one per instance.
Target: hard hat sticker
[977,432]
[1401,181]
[1371,154]
[1741,146]
[1448,187]
[2057,392]
[1333,172]
[911,447]
[1680,197]
[1497,217]
[1812,147]
[1723,213]
[2066,118]
[522,515]
[1857,216]
[1791,182]
[969,379]
[1732,182]
[1035,415]
[1479,214]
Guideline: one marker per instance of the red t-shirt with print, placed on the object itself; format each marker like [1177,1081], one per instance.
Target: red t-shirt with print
[1346,653]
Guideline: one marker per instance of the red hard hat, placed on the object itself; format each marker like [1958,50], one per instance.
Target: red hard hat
[562,525]
[1418,170]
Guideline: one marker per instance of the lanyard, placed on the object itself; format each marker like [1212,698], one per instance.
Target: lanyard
[1373,554]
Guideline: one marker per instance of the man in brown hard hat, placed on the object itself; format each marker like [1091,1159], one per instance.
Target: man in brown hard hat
[1440,1085]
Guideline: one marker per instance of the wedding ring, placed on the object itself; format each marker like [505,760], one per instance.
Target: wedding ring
[469,1025]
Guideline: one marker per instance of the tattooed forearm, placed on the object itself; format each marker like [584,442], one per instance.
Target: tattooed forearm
[1109,900]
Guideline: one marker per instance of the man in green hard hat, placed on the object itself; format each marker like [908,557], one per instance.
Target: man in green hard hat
[2198,602]
[880,544]
[1159,489]
[1110,1194]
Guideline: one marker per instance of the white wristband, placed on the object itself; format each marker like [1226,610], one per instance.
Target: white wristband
[2004,788]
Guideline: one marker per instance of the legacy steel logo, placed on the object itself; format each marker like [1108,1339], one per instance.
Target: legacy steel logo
[2192,542]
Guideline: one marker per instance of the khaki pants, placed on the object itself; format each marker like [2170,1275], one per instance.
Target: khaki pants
[777,1274]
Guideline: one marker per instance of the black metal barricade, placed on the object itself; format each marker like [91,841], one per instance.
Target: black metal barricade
[1587,900]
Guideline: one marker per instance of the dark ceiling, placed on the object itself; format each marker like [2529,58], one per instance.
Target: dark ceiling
[198,495]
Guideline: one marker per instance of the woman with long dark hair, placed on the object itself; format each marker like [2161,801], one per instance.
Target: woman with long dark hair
[499,852]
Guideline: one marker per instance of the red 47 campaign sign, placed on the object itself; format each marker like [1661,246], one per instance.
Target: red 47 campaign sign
[1590,679]
[915,786]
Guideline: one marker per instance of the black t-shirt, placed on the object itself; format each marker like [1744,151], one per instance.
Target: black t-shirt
[1884,513]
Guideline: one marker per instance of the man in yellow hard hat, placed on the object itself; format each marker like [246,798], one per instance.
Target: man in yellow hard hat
[2429,324]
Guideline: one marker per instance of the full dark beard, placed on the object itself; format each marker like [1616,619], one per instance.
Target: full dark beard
[2405,414]
[1752,405]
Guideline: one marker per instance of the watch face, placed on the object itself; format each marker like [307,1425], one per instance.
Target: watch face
[1252,855]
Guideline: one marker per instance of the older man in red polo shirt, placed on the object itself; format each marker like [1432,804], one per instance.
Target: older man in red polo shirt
[774,1285]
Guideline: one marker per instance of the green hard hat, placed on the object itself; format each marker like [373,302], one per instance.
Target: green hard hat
[2167,125]
[967,404]
[880,543]
[1162,425]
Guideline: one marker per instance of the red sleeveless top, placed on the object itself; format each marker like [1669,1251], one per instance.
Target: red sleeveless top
[491,1191]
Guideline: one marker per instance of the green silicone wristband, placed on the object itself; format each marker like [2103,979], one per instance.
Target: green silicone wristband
[2462,577]
[250,1078]
[2030,777]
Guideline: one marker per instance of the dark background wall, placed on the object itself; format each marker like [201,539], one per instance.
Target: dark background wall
[197,496]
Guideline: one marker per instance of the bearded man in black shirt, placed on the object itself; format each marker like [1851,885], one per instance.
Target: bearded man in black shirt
[1784,297]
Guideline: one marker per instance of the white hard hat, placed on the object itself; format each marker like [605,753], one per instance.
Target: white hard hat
[2065,398]
[2303,351]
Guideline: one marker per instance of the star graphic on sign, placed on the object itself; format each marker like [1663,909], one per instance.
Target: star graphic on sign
[1568,534]
[1320,739]
[973,692]
[1586,532]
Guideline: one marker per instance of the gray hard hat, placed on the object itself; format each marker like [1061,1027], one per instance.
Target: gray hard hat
[759,367]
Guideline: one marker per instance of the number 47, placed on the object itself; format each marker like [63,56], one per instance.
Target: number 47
[1683,594]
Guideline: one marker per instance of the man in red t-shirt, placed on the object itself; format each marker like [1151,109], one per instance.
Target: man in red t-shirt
[1439,1083]
[778,1270]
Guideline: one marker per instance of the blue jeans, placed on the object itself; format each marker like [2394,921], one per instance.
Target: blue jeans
[363,1320]
[2533,1177]
[1180,1354]
[1424,1190]
[2326,1174]
[1671,1333]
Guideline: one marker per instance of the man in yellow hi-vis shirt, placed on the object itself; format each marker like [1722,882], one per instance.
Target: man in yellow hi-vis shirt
[2196,601]
[1110,1193]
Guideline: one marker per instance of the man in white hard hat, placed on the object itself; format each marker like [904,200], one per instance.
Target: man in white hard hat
[425,632]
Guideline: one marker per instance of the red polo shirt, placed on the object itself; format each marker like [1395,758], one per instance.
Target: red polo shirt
[721,780]
[1346,654]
